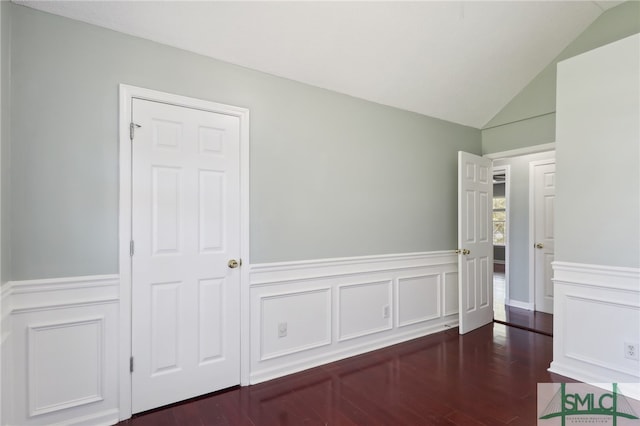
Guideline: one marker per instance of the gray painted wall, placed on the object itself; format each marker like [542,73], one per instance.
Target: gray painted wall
[598,157]
[331,175]
[529,118]
[4,56]
[518,244]
[5,154]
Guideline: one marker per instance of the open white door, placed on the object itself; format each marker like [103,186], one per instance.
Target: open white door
[475,243]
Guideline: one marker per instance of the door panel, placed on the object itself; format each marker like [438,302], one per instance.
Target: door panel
[475,192]
[185,226]
[543,209]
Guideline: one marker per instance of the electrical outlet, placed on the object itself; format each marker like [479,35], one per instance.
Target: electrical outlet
[282,329]
[385,311]
[631,350]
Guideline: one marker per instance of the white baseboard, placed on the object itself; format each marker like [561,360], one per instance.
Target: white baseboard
[587,376]
[518,304]
[104,418]
[325,358]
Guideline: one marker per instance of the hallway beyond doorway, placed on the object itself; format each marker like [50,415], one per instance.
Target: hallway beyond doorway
[538,322]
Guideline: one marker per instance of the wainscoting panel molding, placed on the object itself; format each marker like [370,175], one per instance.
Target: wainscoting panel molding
[419,299]
[63,339]
[48,359]
[596,310]
[364,309]
[295,321]
[304,314]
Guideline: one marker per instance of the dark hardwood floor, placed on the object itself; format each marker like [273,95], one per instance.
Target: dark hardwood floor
[486,377]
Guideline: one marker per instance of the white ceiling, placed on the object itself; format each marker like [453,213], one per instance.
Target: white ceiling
[458,61]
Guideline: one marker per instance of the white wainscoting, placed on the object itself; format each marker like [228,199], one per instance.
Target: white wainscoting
[596,310]
[336,308]
[5,354]
[63,335]
[62,365]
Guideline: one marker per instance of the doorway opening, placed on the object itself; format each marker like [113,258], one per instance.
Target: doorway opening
[513,210]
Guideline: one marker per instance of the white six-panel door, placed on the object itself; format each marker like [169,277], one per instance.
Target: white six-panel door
[475,241]
[185,228]
[544,187]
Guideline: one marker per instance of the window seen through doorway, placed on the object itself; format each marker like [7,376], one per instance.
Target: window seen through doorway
[499,220]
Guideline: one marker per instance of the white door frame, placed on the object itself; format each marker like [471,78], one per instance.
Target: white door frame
[127,93]
[506,169]
[532,228]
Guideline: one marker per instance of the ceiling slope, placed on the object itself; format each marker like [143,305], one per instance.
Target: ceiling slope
[457,61]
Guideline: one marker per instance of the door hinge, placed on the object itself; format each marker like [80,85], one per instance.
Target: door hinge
[132,248]
[131,365]
[132,129]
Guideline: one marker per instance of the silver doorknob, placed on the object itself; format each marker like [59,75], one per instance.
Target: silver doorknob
[539,245]
[233,264]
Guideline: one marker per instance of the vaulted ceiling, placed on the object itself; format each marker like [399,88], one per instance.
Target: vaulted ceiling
[458,61]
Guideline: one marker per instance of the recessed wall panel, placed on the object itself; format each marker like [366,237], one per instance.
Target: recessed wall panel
[65,365]
[165,205]
[305,315]
[364,308]
[210,320]
[211,212]
[418,299]
[165,327]
[609,323]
